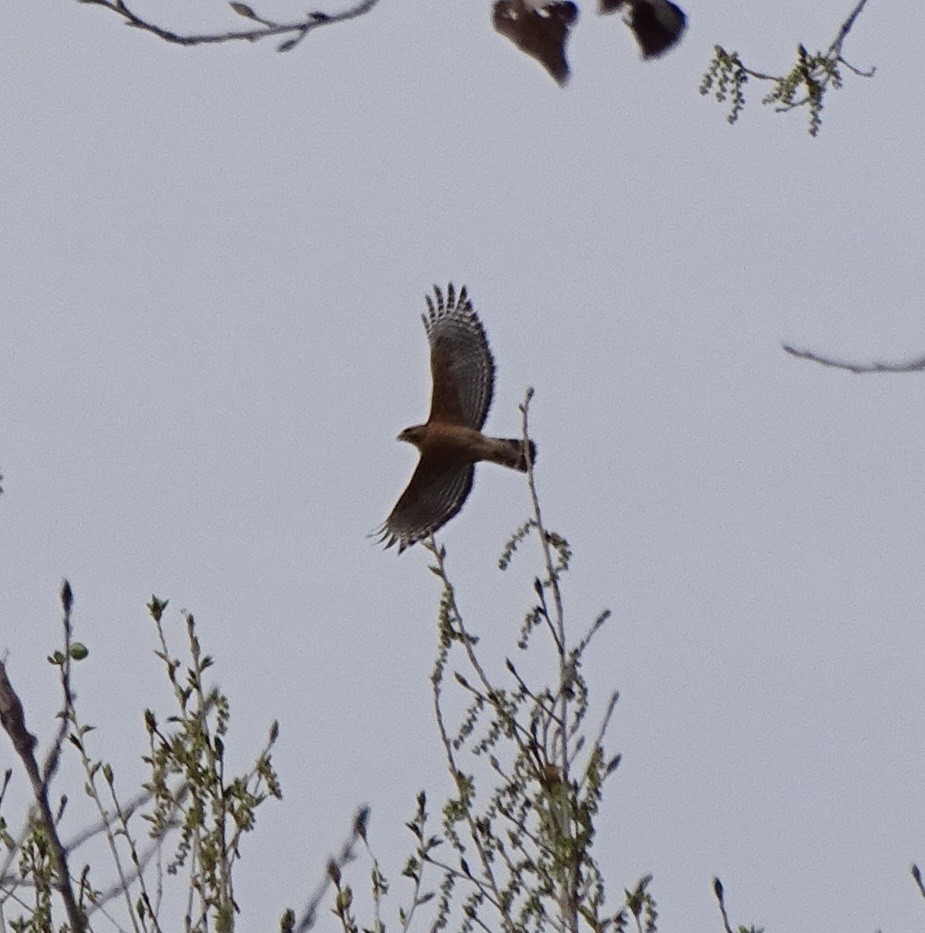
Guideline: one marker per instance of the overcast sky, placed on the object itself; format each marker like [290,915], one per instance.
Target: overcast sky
[213,269]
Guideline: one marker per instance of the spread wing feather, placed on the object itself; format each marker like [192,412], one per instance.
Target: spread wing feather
[461,363]
[434,495]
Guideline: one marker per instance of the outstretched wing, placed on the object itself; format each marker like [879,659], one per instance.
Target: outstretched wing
[460,361]
[435,494]
[538,29]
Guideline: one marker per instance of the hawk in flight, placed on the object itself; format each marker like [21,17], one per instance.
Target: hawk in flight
[451,441]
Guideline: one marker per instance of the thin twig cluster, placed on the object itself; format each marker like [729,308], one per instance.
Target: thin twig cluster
[188,798]
[805,85]
[511,850]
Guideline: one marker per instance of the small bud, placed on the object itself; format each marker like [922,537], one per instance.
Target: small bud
[156,607]
[360,821]
[78,651]
[67,597]
[344,899]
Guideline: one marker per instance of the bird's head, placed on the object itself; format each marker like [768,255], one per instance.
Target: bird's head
[412,435]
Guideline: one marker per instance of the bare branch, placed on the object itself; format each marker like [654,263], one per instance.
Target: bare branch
[846,27]
[910,366]
[267,28]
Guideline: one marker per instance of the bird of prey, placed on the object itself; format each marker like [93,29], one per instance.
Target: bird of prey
[451,441]
[540,28]
[656,24]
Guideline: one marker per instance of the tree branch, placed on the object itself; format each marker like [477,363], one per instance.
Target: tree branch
[347,854]
[727,75]
[910,366]
[13,722]
[266,28]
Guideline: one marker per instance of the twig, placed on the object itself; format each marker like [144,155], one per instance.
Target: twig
[467,640]
[911,366]
[552,582]
[13,722]
[718,891]
[139,800]
[346,854]
[917,878]
[106,821]
[489,888]
[595,628]
[602,730]
[568,908]
[268,28]
[492,892]
[140,864]
[727,75]
[833,54]
[846,27]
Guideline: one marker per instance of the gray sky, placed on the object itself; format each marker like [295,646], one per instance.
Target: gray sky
[214,263]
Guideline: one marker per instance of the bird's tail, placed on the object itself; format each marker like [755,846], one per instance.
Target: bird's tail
[513,452]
